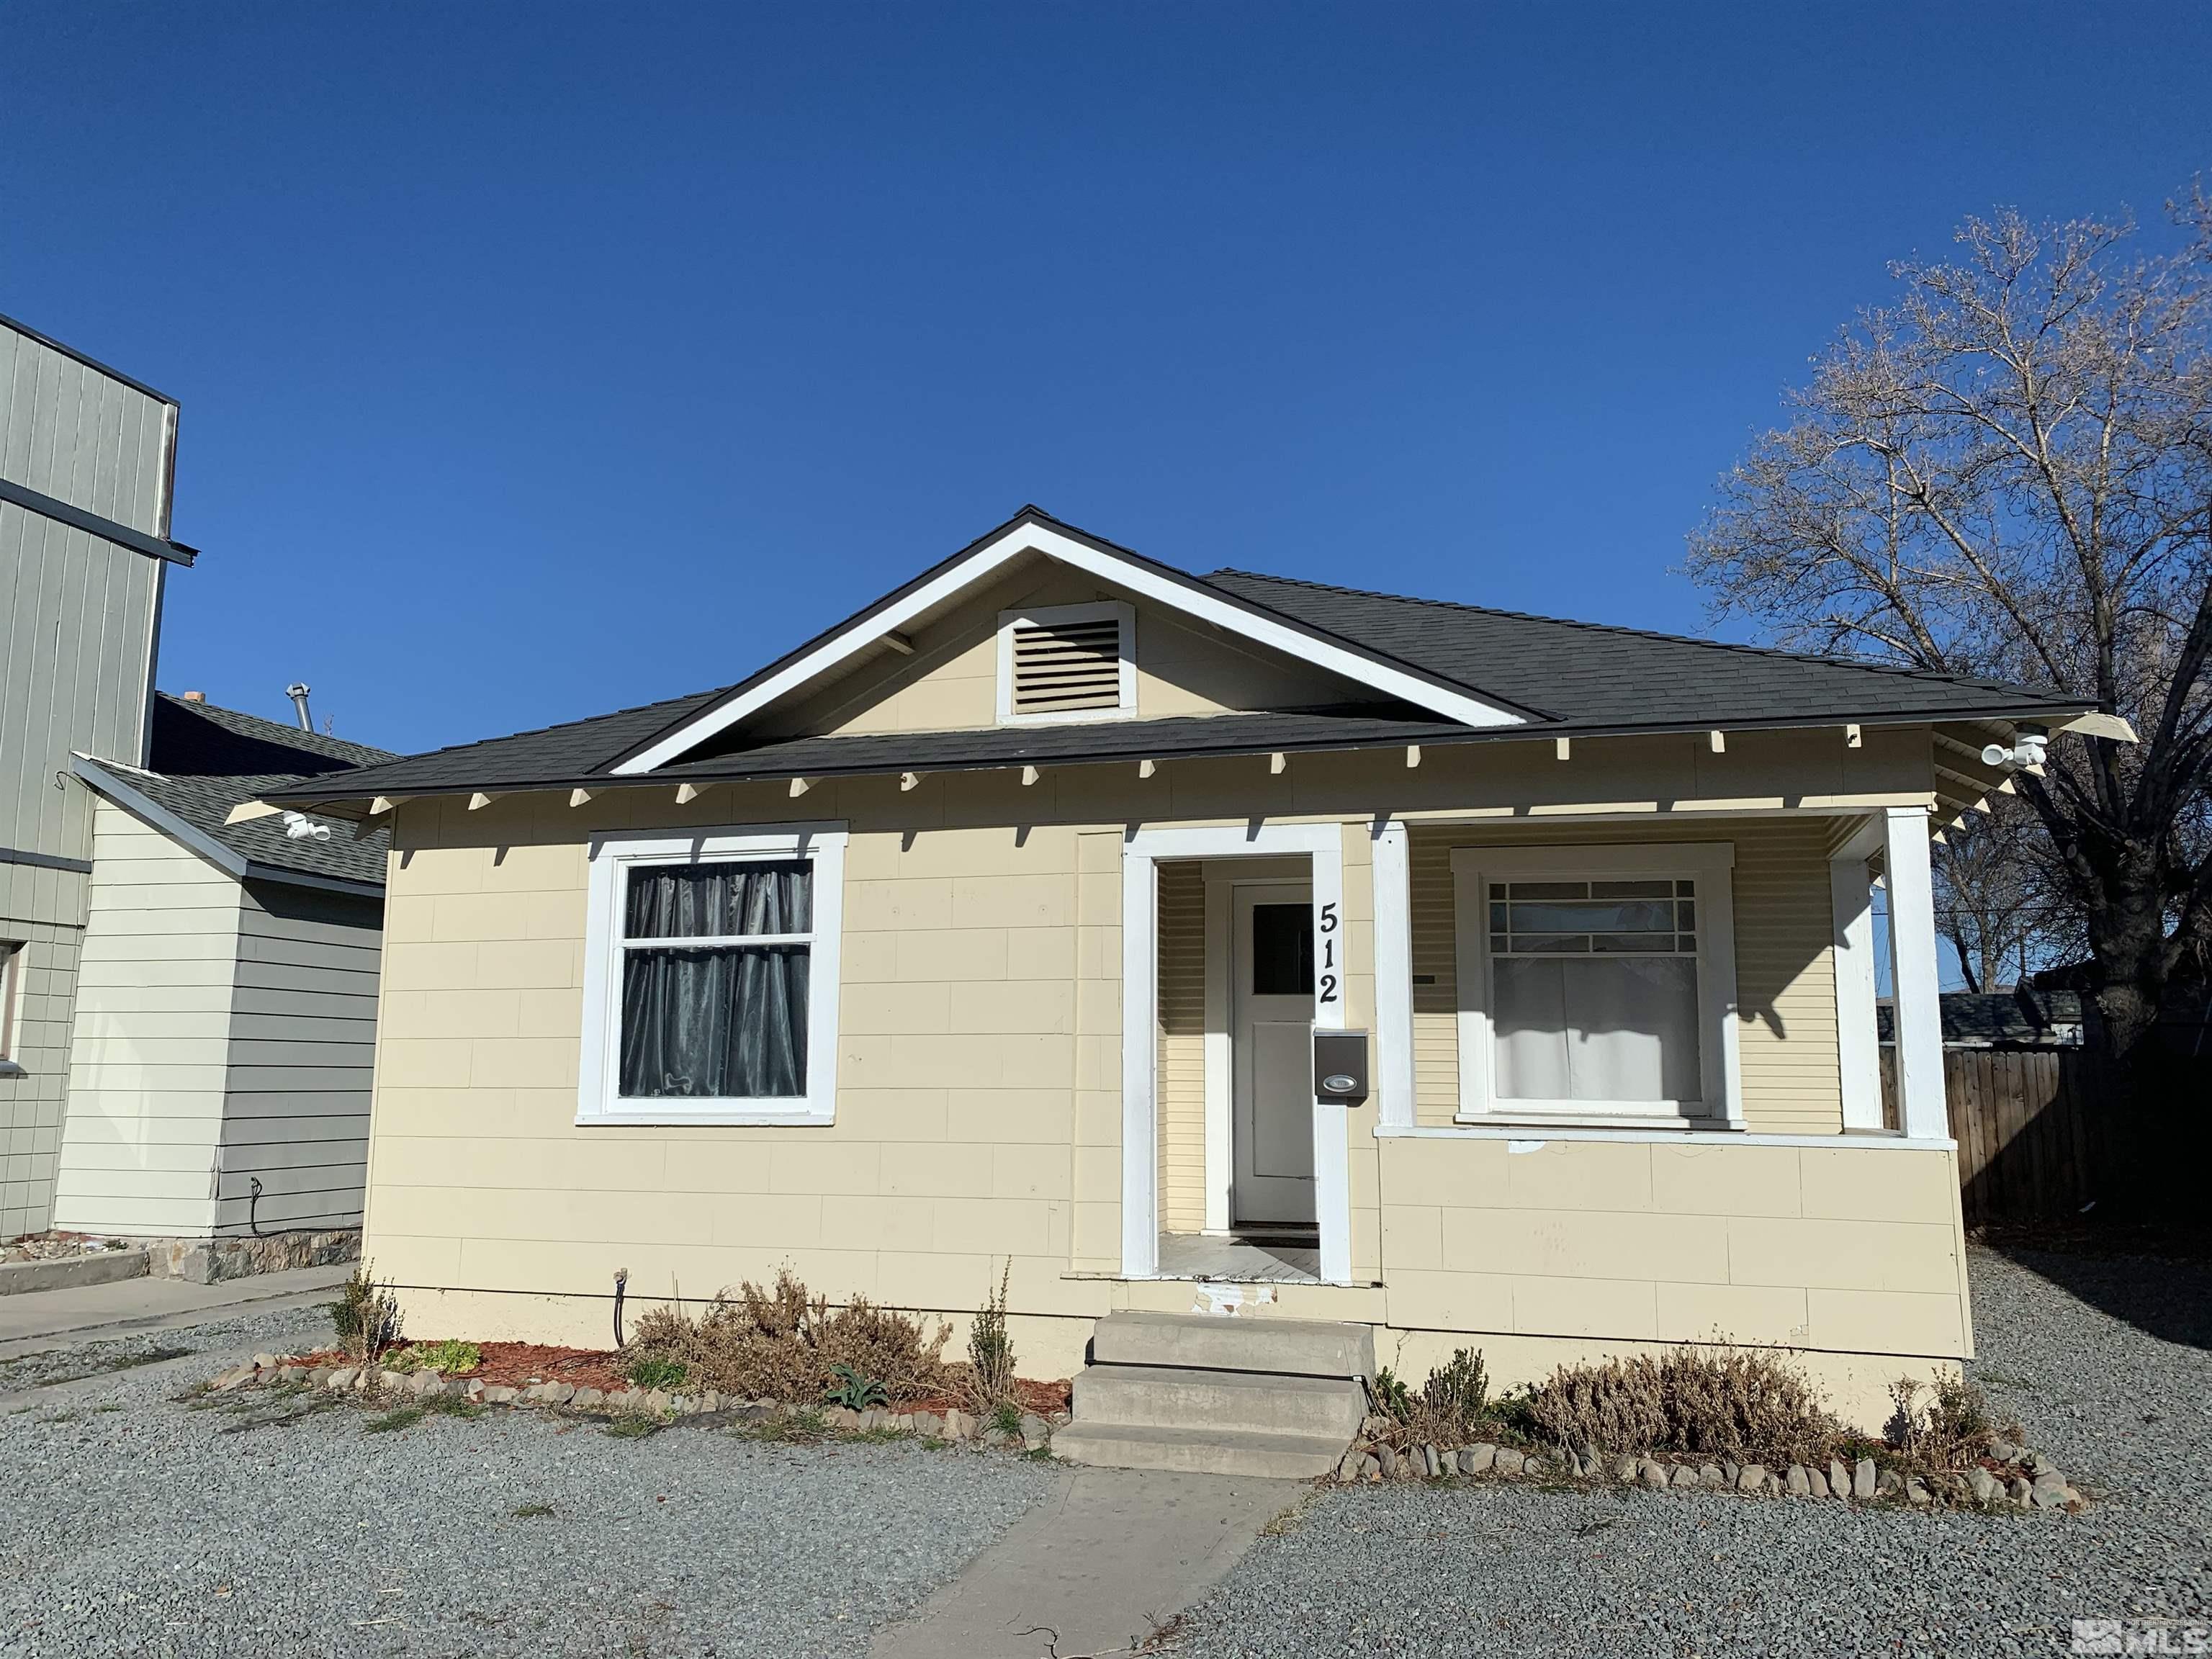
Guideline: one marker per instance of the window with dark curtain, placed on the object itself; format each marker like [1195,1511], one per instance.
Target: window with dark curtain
[715,980]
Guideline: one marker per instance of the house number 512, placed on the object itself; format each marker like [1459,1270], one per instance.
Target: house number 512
[1328,974]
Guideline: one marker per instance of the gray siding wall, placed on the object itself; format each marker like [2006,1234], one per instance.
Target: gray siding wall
[302,1047]
[76,629]
[69,431]
[78,618]
[31,1103]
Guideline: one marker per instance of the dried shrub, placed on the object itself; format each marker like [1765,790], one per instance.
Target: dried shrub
[1393,1399]
[1454,1401]
[990,1383]
[1717,1402]
[1953,1429]
[783,1344]
[366,1316]
[1452,1407]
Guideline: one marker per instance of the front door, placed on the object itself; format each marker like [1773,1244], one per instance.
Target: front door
[1271,1047]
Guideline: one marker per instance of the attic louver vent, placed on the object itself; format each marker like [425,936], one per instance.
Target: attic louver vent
[1059,665]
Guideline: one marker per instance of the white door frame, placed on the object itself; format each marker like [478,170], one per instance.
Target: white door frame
[1141,851]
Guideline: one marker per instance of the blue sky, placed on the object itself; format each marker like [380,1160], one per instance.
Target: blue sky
[538,360]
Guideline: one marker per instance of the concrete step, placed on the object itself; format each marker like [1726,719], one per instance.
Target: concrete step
[1173,1396]
[1198,1451]
[1286,1347]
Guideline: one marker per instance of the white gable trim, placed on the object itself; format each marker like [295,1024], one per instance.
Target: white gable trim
[849,643]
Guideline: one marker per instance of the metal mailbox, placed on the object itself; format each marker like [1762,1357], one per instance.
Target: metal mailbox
[1340,1067]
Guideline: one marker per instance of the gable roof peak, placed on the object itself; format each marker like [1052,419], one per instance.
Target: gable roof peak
[1033,532]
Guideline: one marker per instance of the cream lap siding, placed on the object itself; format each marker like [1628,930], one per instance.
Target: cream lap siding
[979,1112]
[148,1064]
[1853,1248]
[302,1043]
[1181,1086]
[1785,985]
[970,1030]
[1786,980]
[1435,975]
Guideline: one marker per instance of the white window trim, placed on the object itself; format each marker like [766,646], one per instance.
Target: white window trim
[1710,865]
[1124,616]
[599,1069]
[12,953]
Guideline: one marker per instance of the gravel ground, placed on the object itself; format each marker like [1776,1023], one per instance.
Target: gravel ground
[275,1333]
[248,1526]
[2111,1378]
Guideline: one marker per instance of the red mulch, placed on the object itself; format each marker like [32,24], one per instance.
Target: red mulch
[512,1365]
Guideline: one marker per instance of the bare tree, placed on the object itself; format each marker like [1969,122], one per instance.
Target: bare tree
[2007,473]
[2004,909]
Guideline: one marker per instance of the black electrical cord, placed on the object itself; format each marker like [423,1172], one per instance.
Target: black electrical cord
[253,1206]
[621,1283]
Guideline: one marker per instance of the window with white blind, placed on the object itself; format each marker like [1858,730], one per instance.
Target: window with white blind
[1596,984]
[711,978]
[1068,662]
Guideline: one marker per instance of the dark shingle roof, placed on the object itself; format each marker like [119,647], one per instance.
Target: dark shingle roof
[208,760]
[1569,677]
[205,802]
[549,755]
[199,739]
[1593,674]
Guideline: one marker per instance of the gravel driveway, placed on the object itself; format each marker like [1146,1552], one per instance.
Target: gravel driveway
[2115,1383]
[131,1524]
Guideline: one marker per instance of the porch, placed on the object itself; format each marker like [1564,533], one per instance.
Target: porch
[1241,1258]
[1670,979]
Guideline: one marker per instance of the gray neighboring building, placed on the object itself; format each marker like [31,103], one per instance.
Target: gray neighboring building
[187,1005]
[87,466]
[225,1029]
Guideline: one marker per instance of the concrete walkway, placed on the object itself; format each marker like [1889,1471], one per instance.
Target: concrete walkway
[1111,1557]
[38,1320]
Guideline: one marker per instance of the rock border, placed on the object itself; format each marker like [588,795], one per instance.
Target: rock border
[2032,1481]
[373,1381]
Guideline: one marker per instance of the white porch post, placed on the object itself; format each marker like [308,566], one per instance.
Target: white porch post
[1140,1236]
[1919,1023]
[1332,1127]
[1857,1042]
[1393,978]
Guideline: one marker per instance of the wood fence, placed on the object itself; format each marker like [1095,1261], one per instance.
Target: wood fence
[2046,1134]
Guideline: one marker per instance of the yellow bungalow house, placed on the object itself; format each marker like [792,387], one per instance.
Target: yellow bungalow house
[1222,945]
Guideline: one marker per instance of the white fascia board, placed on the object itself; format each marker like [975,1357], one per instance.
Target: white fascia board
[862,636]
[156,816]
